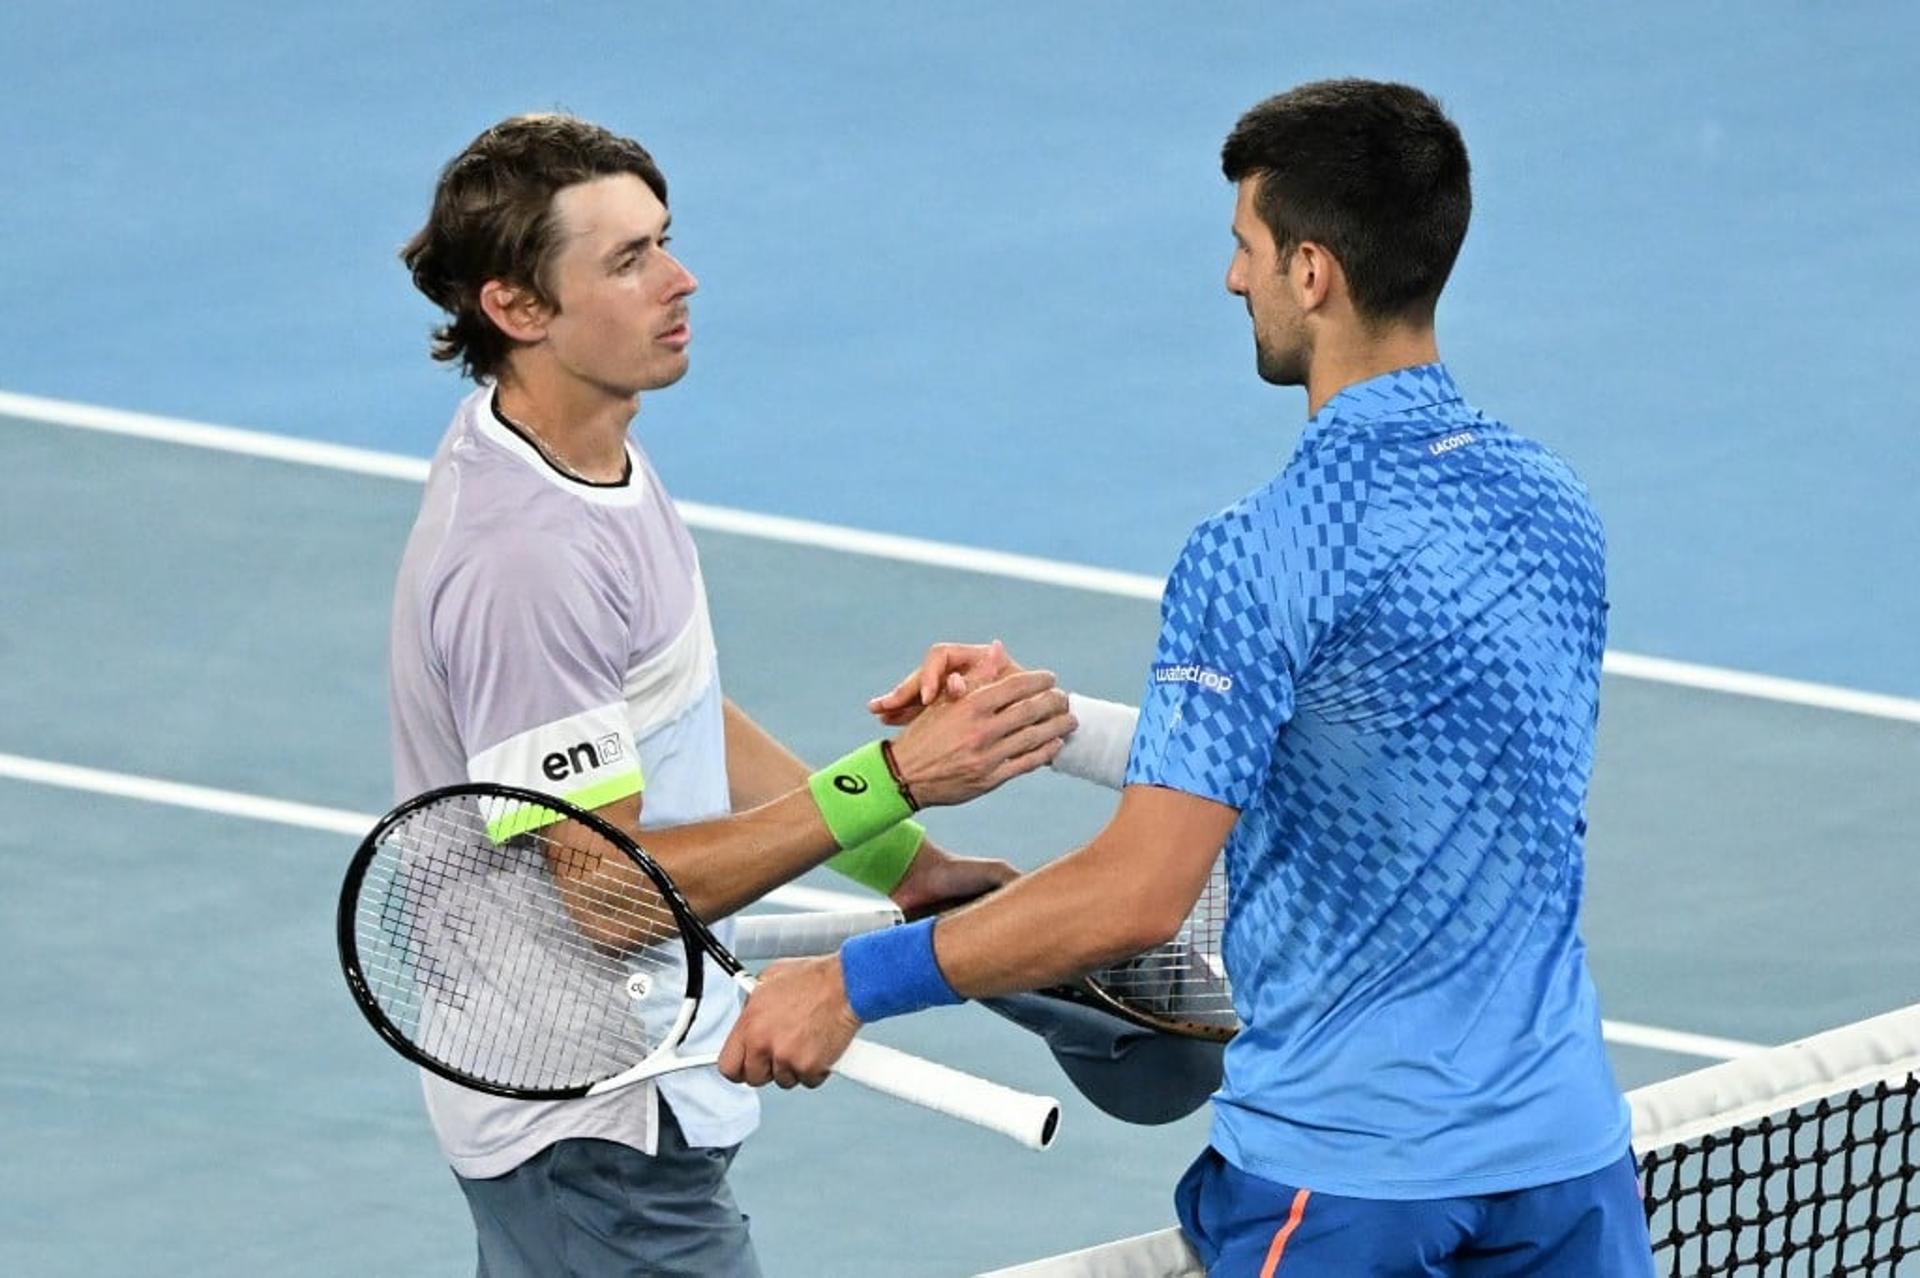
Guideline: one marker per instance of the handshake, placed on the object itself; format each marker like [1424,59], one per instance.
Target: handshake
[974,719]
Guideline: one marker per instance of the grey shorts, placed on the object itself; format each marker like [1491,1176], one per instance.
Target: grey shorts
[597,1209]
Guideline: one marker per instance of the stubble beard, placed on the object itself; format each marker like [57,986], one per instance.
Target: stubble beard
[1280,365]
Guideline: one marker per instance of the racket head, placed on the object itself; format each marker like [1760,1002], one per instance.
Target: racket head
[466,943]
[1179,987]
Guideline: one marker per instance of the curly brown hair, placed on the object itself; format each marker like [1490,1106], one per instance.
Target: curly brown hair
[492,219]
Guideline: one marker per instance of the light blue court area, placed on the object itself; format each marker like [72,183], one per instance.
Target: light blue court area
[961,280]
[180,1044]
[986,241]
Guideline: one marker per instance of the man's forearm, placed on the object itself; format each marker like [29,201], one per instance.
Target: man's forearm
[1126,891]
[776,832]
[952,753]
[759,768]
[724,865]
[719,865]
[1047,927]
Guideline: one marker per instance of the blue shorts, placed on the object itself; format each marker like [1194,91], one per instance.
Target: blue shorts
[1245,1227]
[597,1209]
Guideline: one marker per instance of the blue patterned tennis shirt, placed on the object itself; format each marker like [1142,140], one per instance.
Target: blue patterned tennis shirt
[1388,659]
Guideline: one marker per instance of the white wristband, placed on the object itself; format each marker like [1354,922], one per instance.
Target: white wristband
[1097,750]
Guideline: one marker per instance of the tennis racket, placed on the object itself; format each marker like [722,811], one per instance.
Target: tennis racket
[521,946]
[1179,987]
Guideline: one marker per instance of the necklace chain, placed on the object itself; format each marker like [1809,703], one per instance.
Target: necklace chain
[546,451]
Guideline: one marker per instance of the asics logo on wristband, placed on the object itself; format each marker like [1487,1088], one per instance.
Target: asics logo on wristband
[846,783]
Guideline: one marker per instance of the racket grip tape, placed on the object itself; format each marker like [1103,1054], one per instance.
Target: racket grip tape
[761,938]
[1031,1120]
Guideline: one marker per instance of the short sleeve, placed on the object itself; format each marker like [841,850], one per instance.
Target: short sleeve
[533,640]
[1222,684]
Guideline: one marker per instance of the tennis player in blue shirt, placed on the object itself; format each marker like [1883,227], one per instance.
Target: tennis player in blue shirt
[1375,687]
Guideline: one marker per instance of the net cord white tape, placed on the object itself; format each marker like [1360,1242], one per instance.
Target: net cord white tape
[1885,1048]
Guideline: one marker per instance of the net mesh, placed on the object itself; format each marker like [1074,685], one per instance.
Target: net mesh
[1827,1188]
[542,961]
[1801,1160]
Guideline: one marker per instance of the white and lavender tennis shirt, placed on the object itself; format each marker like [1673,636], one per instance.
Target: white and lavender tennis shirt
[554,634]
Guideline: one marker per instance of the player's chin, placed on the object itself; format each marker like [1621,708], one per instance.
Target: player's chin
[665,370]
[1277,370]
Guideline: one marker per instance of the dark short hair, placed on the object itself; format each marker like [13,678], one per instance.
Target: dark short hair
[492,219]
[1375,172]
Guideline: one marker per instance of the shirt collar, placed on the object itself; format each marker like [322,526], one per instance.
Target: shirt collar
[1401,393]
[482,420]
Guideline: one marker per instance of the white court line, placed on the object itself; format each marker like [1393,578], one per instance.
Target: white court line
[916,550]
[303,816]
[794,896]
[1628,1034]
[224,439]
[1741,683]
[802,532]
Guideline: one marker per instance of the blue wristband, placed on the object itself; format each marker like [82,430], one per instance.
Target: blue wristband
[892,971]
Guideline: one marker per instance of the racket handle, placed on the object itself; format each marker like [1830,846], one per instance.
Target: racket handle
[761,938]
[1031,1120]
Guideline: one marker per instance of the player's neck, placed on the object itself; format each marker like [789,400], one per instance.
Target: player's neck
[582,428]
[1343,359]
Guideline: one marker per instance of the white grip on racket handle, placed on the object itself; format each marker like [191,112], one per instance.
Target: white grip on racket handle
[760,938]
[1031,1120]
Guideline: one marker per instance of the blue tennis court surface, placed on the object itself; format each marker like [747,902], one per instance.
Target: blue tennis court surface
[960,280]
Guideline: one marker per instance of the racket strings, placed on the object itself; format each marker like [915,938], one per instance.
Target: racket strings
[487,961]
[1184,978]
[528,940]
[610,889]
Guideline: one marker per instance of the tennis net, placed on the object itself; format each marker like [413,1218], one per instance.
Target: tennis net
[1800,1160]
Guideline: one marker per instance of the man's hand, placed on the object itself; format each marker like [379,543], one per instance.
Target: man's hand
[975,740]
[796,1024]
[973,663]
[938,878]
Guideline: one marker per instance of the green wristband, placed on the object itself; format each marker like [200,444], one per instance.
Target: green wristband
[858,796]
[880,863]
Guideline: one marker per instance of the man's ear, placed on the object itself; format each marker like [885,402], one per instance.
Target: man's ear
[515,310]
[1314,274]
